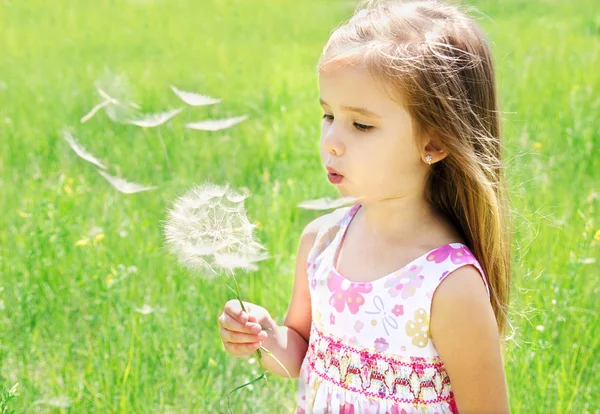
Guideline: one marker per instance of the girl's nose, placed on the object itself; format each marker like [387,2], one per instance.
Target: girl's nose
[332,142]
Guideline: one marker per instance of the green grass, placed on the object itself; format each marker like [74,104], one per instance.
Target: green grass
[68,325]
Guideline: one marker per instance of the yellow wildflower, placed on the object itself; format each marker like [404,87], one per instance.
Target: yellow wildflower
[23,214]
[597,236]
[266,176]
[67,189]
[537,146]
[98,237]
[82,242]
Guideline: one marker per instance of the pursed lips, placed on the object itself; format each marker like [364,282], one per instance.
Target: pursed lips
[334,176]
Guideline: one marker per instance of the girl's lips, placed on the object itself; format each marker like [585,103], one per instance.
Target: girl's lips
[335,178]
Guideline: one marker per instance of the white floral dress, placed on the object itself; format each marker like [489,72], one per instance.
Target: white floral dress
[370,350]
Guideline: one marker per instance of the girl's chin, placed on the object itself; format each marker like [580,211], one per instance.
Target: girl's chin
[345,192]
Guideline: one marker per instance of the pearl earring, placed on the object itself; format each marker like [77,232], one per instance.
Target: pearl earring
[428,159]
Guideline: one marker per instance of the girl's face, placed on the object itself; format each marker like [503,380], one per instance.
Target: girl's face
[367,138]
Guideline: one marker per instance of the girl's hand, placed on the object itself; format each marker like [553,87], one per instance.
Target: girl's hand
[241,332]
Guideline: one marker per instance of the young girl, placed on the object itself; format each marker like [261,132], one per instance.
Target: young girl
[399,302]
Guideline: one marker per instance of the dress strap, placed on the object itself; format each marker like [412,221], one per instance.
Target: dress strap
[454,256]
[332,232]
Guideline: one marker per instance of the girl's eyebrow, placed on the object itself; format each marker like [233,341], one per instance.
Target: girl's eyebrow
[356,109]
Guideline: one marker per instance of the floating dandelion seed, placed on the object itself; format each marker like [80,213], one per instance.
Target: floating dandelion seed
[106,102]
[61,401]
[123,186]
[195,99]
[115,90]
[96,108]
[327,203]
[154,120]
[216,124]
[209,231]
[82,153]
[145,310]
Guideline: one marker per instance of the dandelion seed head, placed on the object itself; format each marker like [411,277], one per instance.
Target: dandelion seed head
[208,230]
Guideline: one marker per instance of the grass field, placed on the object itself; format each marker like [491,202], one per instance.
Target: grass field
[71,333]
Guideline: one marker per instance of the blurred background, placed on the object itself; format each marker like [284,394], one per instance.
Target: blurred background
[96,316]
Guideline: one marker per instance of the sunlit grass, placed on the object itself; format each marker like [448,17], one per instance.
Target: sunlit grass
[111,323]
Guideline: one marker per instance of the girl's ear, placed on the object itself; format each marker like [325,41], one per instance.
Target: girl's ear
[436,151]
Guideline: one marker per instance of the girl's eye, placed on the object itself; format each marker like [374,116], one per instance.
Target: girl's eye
[362,127]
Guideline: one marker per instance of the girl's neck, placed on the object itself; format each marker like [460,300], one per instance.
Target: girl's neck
[399,219]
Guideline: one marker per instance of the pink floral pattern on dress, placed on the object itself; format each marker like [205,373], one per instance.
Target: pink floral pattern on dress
[419,364]
[359,325]
[405,282]
[397,410]
[347,408]
[351,296]
[381,344]
[458,255]
[332,318]
[398,310]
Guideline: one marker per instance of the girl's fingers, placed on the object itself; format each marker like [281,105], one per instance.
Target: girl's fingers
[233,309]
[241,349]
[232,324]
[241,338]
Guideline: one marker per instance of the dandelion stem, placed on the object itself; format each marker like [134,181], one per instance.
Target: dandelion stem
[266,351]
[258,352]
[239,298]
[262,376]
[262,348]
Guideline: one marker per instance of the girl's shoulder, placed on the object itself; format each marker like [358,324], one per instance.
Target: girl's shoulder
[320,232]
[326,223]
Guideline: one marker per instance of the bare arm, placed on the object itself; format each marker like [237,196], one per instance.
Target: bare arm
[288,342]
[465,333]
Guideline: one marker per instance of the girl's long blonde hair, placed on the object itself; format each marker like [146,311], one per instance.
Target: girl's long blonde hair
[439,63]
